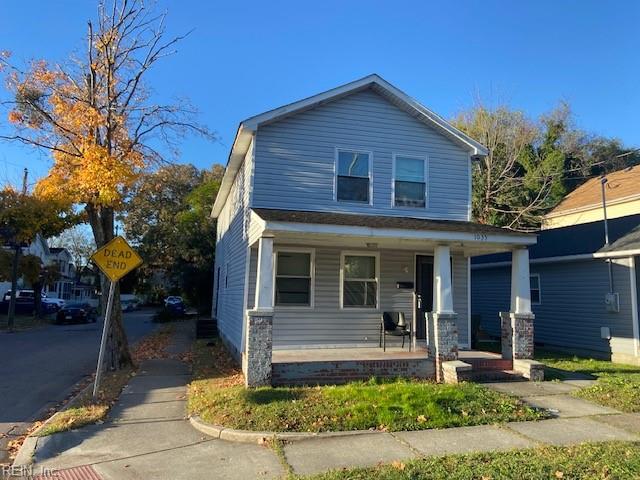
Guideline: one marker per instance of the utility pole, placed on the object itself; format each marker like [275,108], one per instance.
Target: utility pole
[14,266]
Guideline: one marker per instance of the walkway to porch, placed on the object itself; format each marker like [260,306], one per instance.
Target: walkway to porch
[340,365]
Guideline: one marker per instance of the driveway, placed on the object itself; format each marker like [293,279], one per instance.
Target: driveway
[38,367]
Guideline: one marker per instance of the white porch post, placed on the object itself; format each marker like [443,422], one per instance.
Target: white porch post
[259,339]
[443,318]
[264,277]
[520,286]
[442,295]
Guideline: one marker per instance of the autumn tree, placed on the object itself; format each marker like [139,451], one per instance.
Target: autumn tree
[22,217]
[95,116]
[168,218]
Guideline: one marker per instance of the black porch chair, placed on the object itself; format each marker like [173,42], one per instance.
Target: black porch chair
[393,323]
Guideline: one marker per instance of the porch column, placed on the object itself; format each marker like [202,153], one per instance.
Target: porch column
[259,338]
[443,318]
[517,324]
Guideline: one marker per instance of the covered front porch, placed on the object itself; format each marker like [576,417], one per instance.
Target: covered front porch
[318,290]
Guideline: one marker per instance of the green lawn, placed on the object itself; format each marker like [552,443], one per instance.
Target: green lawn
[218,396]
[618,385]
[614,460]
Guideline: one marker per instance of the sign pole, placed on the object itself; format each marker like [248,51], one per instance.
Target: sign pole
[105,333]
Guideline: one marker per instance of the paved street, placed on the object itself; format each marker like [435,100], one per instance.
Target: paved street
[40,366]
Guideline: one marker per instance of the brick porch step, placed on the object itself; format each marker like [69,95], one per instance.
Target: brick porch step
[481,376]
[489,364]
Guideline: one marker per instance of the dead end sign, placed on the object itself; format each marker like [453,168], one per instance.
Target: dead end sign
[116,258]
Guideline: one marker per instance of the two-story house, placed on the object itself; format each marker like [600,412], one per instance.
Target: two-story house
[340,207]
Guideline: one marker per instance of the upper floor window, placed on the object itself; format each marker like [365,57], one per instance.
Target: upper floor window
[409,183]
[353,183]
[294,275]
[535,289]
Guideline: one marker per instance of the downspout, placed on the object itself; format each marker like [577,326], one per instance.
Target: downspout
[603,181]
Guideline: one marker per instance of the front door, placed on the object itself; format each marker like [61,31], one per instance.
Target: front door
[424,293]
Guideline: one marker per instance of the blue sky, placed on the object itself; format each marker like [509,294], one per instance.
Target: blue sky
[247,57]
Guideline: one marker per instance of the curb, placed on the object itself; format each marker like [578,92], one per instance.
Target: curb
[248,436]
[28,448]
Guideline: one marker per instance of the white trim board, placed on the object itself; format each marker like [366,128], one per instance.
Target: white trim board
[357,231]
[634,306]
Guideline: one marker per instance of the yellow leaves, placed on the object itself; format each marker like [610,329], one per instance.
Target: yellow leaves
[559,474]
[93,176]
[398,465]
[421,419]
[15,116]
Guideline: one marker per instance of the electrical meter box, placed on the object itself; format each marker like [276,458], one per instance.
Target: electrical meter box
[612,302]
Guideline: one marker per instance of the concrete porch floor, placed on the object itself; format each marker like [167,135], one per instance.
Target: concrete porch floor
[368,353]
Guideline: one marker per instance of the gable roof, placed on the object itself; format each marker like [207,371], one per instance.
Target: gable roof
[621,185]
[584,238]
[248,127]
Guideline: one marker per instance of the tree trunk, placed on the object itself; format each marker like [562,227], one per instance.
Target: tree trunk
[11,314]
[101,220]
[37,298]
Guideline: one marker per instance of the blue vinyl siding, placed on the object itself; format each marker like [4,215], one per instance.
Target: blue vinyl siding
[572,309]
[295,159]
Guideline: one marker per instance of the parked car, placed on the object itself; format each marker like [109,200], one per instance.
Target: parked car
[77,312]
[172,300]
[27,296]
[130,305]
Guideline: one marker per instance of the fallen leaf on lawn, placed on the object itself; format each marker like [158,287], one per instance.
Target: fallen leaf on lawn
[398,465]
[421,419]
[559,474]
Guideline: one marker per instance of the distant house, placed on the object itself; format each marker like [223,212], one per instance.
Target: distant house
[62,288]
[584,204]
[342,209]
[578,306]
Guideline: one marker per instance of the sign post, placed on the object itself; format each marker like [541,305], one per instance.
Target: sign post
[115,259]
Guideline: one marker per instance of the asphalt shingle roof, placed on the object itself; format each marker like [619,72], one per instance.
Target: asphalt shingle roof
[380,221]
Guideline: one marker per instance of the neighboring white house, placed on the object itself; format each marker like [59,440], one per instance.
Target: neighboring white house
[338,208]
[64,286]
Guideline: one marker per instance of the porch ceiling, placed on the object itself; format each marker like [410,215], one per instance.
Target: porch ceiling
[383,232]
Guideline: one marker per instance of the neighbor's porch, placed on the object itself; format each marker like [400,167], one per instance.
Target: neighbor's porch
[315,300]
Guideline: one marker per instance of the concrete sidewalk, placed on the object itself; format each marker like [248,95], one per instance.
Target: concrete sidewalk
[577,421]
[147,434]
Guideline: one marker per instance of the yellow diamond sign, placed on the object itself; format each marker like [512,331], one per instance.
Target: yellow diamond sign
[116,259]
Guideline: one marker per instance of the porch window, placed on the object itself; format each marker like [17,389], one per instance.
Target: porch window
[353,176]
[293,278]
[409,182]
[359,281]
[534,280]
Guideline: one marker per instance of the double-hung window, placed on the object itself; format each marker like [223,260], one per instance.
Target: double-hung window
[359,280]
[534,281]
[410,184]
[294,275]
[353,176]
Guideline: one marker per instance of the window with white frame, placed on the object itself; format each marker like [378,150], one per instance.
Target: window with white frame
[353,176]
[359,280]
[534,281]
[410,186]
[294,275]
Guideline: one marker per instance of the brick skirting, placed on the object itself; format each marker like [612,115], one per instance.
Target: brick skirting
[342,371]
